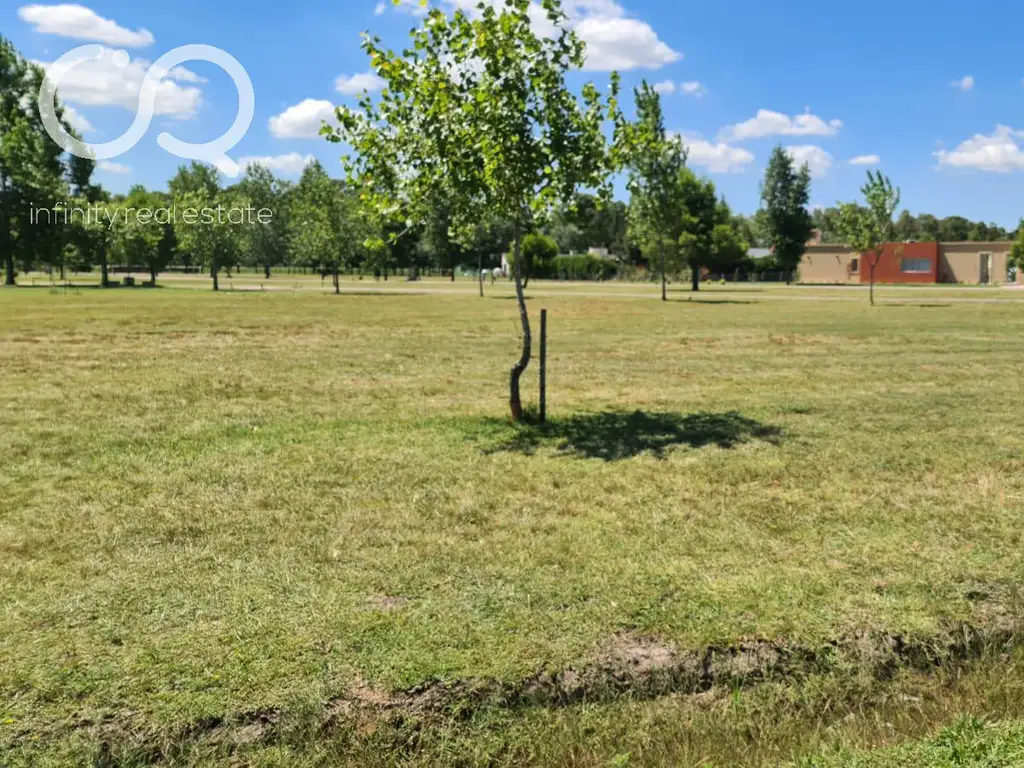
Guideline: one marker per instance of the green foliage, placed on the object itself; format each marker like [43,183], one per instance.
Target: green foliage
[264,243]
[34,171]
[1017,251]
[866,228]
[539,252]
[785,194]
[583,267]
[657,180]
[476,110]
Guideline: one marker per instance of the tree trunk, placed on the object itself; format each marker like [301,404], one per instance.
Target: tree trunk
[337,283]
[695,278]
[62,273]
[871,288]
[515,402]
[664,277]
[104,273]
[9,269]
[213,274]
[480,272]
[152,276]
[266,271]
[453,274]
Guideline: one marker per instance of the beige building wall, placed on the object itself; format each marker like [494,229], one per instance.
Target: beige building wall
[828,264]
[962,262]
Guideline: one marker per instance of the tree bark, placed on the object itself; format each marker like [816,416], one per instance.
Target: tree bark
[695,278]
[480,272]
[337,282]
[152,276]
[213,274]
[266,271]
[9,269]
[871,288]
[104,272]
[515,401]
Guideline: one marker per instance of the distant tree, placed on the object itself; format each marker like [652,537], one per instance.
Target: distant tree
[928,228]
[137,232]
[201,226]
[1017,251]
[654,162]
[264,242]
[477,109]
[785,194]
[321,222]
[868,229]
[708,237]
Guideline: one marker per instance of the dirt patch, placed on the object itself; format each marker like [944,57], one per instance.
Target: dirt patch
[386,602]
[631,665]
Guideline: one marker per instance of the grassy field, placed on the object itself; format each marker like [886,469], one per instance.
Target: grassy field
[297,529]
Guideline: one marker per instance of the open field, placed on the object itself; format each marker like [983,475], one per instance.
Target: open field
[266,524]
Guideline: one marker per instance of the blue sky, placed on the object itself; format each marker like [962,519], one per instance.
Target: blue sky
[935,95]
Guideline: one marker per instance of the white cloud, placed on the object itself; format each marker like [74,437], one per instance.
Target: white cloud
[693,88]
[866,160]
[716,157]
[998,153]
[964,84]
[185,75]
[614,40]
[381,8]
[291,163]
[109,167]
[77,120]
[814,157]
[665,87]
[622,44]
[302,120]
[104,82]
[353,85]
[81,23]
[768,123]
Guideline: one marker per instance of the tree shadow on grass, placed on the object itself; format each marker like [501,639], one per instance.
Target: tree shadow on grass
[617,435]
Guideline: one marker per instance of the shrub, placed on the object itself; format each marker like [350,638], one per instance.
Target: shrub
[583,267]
[539,252]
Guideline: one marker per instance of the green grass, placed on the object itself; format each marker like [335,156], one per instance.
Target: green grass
[220,504]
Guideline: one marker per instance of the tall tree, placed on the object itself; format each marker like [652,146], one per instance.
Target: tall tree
[655,163]
[138,229]
[34,171]
[868,228]
[785,194]
[264,242]
[477,109]
[321,222]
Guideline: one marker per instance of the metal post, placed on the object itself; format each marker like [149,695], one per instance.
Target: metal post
[543,366]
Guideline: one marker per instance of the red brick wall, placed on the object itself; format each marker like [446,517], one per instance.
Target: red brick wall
[888,269]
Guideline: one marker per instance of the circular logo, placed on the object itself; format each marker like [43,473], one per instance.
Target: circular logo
[214,152]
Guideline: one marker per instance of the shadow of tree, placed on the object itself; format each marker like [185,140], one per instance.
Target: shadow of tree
[617,435]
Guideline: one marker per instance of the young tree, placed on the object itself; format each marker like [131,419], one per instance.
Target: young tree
[868,229]
[477,109]
[785,194]
[655,163]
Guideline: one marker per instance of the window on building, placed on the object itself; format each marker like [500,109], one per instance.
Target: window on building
[915,265]
[854,265]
